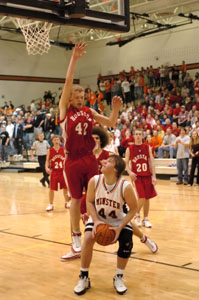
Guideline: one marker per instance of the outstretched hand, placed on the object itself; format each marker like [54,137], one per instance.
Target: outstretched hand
[116,102]
[78,51]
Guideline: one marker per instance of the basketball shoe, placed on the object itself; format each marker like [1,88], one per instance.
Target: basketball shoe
[67,204]
[75,249]
[150,244]
[83,285]
[137,220]
[146,223]
[118,283]
[71,255]
[49,208]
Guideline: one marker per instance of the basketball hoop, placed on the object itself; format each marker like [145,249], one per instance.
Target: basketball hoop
[36,35]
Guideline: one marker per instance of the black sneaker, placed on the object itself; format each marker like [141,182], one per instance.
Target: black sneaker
[179,182]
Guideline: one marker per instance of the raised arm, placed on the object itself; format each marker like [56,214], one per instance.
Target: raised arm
[112,119]
[78,52]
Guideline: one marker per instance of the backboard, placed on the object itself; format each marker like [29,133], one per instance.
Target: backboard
[81,13]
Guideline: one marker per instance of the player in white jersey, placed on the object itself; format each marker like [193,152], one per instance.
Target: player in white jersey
[106,195]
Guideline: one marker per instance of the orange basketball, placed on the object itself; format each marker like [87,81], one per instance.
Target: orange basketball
[104,235]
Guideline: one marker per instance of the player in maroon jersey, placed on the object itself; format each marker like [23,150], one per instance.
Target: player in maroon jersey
[55,160]
[77,125]
[142,173]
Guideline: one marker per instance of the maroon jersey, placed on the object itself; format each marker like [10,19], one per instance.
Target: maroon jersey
[104,155]
[77,132]
[139,156]
[57,159]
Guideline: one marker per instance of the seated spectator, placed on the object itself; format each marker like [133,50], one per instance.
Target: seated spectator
[126,142]
[150,120]
[177,109]
[183,117]
[184,91]
[194,119]
[188,104]
[191,114]
[175,130]
[148,141]
[167,144]
[167,124]
[197,101]
[156,140]
[111,147]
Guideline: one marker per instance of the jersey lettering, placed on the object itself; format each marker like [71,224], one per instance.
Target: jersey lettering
[112,214]
[79,128]
[141,167]
[58,165]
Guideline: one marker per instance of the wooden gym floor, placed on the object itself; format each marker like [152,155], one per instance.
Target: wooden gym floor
[32,242]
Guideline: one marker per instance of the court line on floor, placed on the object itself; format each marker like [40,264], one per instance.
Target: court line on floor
[64,211]
[100,251]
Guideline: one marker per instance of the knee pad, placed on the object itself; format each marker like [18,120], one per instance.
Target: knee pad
[125,244]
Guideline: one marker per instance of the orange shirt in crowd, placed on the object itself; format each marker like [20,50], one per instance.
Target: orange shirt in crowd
[157,141]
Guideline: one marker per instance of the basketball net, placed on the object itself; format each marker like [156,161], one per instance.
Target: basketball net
[36,35]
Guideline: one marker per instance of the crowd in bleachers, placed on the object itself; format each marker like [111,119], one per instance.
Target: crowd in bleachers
[20,126]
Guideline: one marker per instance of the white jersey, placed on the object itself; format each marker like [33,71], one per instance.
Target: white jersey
[109,201]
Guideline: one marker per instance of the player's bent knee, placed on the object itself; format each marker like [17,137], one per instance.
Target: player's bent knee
[124,250]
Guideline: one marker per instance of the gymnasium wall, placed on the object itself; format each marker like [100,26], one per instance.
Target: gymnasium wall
[166,48]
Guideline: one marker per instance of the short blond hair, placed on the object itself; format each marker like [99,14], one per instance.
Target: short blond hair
[77,88]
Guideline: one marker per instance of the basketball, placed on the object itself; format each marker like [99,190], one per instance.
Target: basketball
[104,235]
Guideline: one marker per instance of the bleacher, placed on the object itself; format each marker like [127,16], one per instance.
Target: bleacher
[165,166]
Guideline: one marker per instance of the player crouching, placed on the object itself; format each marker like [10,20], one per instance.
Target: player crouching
[113,188]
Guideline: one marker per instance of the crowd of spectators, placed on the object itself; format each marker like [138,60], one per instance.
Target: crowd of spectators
[20,126]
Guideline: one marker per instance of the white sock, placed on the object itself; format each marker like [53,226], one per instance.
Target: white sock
[119,271]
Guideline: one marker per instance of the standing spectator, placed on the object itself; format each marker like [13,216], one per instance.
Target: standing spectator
[4,136]
[182,144]
[184,70]
[142,174]
[10,130]
[108,92]
[28,133]
[194,151]
[77,124]
[126,91]
[38,120]
[18,135]
[41,147]
[162,75]
[167,144]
